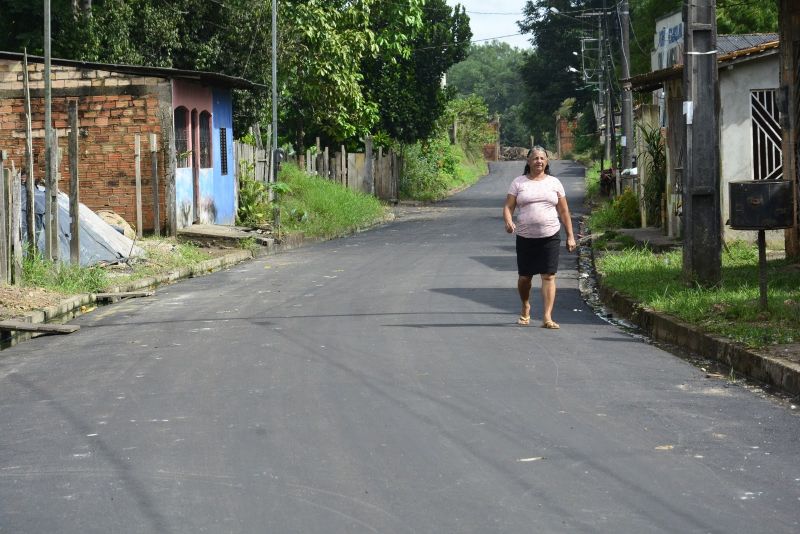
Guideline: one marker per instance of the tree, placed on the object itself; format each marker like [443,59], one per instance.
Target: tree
[407,90]
[546,73]
[493,71]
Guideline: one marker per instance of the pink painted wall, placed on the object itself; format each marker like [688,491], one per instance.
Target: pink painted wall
[192,97]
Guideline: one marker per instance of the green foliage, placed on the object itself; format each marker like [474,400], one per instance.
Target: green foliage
[621,212]
[730,310]
[592,181]
[547,80]
[587,140]
[492,71]
[471,116]
[407,90]
[254,203]
[322,208]
[654,161]
[434,167]
[63,277]
[428,168]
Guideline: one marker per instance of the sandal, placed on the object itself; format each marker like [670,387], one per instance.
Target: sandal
[552,325]
[524,320]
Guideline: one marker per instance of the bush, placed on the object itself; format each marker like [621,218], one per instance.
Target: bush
[428,169]
[621,212]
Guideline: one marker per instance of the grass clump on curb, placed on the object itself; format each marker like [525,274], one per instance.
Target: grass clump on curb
[730,310]
[161,256]
[63,277]
[321,208]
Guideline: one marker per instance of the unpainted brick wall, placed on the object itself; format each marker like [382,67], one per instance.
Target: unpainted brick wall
[112,109]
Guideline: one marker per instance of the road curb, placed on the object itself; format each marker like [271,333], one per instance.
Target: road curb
[778,372]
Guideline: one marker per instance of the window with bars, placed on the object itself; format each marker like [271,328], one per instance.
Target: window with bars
[767,152]
[205,140]
[182,136]
[223,150]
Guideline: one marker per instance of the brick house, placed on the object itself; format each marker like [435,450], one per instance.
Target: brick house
[189,111]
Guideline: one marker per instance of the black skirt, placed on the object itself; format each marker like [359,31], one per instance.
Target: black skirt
[538,255]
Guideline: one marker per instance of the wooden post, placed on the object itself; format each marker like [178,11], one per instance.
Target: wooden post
[343,169]
[154,184]
[3,216]
[369,175]
[74,186]
[16,213]
[138,170]
[30,184]
[52,240]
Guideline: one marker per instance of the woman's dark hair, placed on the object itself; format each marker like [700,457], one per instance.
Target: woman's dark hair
[541,149]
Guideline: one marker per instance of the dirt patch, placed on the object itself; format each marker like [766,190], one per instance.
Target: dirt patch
[15,301]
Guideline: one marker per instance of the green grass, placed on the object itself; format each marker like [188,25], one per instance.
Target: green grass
[162,256]
[467,171]
[62,277]
[321,208]
[730,310]
[593,181]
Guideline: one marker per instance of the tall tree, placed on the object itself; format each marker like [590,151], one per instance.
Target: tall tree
[407,90]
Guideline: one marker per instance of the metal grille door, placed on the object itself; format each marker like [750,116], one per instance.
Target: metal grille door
[767,154]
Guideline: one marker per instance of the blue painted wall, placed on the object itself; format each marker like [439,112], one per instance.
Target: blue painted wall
[224,185]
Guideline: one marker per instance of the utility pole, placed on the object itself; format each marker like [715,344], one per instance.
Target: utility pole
[627,97]
[702,242]
[601,85]
[611,141]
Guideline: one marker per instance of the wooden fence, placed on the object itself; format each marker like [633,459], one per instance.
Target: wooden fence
[371,172]
[379,178]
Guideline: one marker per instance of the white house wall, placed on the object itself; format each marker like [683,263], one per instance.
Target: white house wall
[736,143]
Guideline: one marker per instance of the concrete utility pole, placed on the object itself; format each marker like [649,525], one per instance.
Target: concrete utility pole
[627,97]
[702,242]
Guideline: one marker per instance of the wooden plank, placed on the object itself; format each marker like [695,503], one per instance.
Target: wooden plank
[16,223]
[123,294]
[369,175]
[3,216]
[30,184]
[22,326]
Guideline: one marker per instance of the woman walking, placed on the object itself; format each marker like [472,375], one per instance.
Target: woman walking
[542,202]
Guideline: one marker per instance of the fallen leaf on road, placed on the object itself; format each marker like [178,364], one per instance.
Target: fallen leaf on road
[665,447]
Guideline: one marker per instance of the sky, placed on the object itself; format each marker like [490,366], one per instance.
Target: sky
[485,25]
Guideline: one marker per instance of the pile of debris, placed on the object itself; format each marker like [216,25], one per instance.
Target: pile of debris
[513,153]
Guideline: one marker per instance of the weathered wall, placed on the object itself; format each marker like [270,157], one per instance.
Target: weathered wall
[112,109]
[736,142]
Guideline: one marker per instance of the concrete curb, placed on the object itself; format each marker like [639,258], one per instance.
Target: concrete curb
[778,372]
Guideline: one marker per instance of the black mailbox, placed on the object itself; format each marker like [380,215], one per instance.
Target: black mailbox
[760,204]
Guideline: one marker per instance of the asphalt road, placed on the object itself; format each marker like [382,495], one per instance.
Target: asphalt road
[379,384]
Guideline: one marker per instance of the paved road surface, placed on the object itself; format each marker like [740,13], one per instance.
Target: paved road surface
[378,384]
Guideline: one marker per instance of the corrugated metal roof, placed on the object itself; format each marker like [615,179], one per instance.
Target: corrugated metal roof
[727,44]
[210,78]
